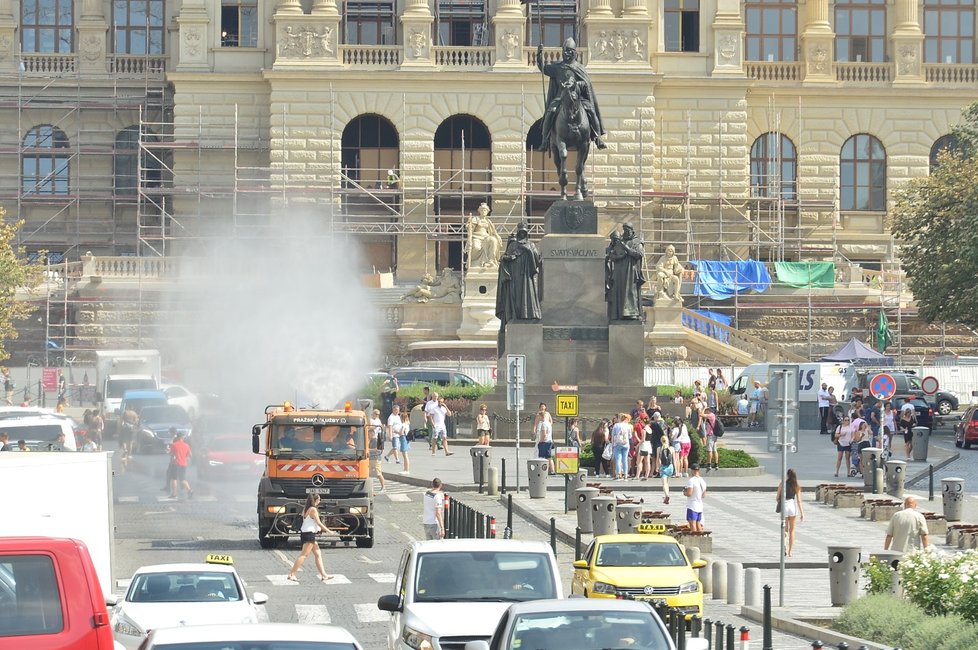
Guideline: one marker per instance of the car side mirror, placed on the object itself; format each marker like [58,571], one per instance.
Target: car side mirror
[259,598]
[580,564]
[477,645]
[112,600]
[699,564]
[389,603]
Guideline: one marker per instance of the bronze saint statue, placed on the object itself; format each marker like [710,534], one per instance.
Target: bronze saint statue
[623,263]
[517,297]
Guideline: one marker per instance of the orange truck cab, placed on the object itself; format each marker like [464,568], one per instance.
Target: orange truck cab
[51,597]
[314,452]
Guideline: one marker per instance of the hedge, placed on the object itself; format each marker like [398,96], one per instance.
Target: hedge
[893,621]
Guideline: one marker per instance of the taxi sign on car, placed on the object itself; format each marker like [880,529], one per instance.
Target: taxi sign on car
[652,528]
[216,558]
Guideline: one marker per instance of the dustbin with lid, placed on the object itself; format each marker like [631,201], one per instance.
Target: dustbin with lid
[603,515]
[574,481]
[584,497]
[537,470]
[845,568]
[480,457]
[869,459]
[896,471]
[628,517]
[952,489]
[921,440]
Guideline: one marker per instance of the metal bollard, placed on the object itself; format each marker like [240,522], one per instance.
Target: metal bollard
[553,535]
[502,471]
[878,480]
[718,635]
[843,646]
[930,482]
[577,543]
[708,632]
[735,585]
[719,580]
[817,645]
[730,637]
[493,481]
[695,626]
[752,587]
[768,642]
[744,638]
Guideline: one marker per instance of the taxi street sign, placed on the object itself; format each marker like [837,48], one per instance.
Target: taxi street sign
[567,406]
[651,528]
[566,460]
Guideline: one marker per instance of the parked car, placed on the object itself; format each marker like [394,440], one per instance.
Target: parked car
[925,412]
[908,383]
[155,423]
[966,431]
[41,432]
[432,377]
[181,396]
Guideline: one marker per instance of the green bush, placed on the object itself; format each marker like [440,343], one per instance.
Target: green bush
[736,458]
[964,637]
[880,575]
[930,633]
[586,457]
[883,618]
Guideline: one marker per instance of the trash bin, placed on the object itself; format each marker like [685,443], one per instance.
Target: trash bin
[603,515]
[892,559]
[845,568]
[921,440]
[953,491]
[537,470]
[896,472]
[584,497]
[870,460]
[628,516]
[574,481]
[480,455]
[450,427]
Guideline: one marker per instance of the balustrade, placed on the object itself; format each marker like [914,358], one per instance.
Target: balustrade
[464,57]
[864,73]
[372,56]
[774,70]
[49,63]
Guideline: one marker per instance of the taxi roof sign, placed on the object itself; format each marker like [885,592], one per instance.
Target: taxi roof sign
[651,528]
[217,558]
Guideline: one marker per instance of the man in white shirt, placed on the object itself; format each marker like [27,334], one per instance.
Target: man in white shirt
[823,409]
[907,529]
[695,492]
[436,411]
[394,433]
[433,513]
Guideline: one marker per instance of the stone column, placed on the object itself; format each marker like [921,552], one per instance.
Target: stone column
[908,43]
[416,24]
[510,27]
[728,41]
[92,29]
[192,22]
[599,8]
[818,44]
[8,37]
[304,41]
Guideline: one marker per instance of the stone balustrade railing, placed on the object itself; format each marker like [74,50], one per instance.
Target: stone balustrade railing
[863,72]
[551,55]
[774,70]
[152,67]
[371,56]
[951,73]
[755,347]
[129,267]
[49,63]
[472,58]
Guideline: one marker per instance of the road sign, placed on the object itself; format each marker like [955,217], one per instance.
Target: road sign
[781,423]
[929,385]
[882,386]
[566,460]
[515,378]
[567,406]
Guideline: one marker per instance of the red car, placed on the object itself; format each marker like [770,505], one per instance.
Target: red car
[966,431]
[228,455]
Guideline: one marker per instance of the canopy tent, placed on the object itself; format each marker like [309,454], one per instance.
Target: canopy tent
[857,352]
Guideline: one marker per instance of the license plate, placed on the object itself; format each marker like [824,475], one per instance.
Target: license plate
[316,490]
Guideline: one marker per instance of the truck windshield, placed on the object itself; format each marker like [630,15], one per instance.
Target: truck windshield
[317,441]
[116,388]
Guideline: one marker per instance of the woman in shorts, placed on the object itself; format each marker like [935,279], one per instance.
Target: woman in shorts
[685,445]
[482,425]
[843,444]
[312,525]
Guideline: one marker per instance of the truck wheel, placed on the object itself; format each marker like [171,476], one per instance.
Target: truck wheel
[264,540]
[366,542]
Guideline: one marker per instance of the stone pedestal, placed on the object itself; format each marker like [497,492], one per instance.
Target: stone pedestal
[569,292]
[479,305]
[626,346]
[666,328]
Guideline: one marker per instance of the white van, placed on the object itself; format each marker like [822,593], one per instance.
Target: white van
[810,378]
[40,432]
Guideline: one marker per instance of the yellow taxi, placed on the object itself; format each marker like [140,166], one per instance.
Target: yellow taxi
[643,566]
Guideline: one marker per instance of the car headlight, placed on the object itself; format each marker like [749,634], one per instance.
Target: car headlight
[689,587]
[603,588]
[123,625]
[214,463]
[417,640]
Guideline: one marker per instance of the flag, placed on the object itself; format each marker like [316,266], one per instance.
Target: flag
[883,334]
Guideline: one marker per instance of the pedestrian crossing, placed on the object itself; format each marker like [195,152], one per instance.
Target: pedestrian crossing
[320,614]
[393,492]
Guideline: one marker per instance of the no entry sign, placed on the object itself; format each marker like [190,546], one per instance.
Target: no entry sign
[929,385]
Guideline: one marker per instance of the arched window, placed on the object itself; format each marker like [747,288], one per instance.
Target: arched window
[774,168]
[127,158]
[44,161]
[944,143]
[862,171]
[369,148]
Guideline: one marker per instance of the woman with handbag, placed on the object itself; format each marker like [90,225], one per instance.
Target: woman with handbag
[667,467]
[793,508]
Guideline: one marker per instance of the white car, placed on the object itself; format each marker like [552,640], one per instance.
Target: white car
[262,636]
[179,395]
[171,595]
[452,591]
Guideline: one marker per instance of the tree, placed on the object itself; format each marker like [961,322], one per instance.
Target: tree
[16,274]
[936,223]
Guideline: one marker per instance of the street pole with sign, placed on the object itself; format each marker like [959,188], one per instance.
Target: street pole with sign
[567,406]
[782,432]
[515,383]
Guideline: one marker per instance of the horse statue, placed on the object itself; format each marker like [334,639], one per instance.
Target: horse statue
[571,129]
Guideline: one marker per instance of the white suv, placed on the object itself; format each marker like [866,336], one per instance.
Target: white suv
[40,432]
[450,592]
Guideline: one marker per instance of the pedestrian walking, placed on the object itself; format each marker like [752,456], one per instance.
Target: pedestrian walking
[376,445]
[574,435]
[433,511]
[620,433]
[793,508]
[483,426]
[843,444]
[394,433]
[685,446]
[907,529]
[180,458]
[62,388]
[8,387]
[601,449]
[695,493]
[667,467]
[709,439]
[906,423]
[436,412]
[312,525]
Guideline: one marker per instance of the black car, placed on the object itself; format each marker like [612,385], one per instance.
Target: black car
[907,383]
[155,423]
[925,412]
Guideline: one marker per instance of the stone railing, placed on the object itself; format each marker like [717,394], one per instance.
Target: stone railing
[774,70]
[472,58]
[371,56]
[131,268]
[864,73]
[153,67]
[757,348]
[551,55]
[951,73]
[49,63]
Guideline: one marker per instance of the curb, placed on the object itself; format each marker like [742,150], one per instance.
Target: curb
[924,474]
[807,630]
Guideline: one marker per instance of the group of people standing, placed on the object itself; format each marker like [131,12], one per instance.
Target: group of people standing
[870,424]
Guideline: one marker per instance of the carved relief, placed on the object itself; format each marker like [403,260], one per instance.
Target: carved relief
[191,41]
[618,45]
[511,44]
[818,57]
[306,42]
[418,42]
[91,47]
[6,46]
[909,61]
[727,48]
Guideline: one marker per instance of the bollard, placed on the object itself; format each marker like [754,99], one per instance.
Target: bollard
[628,516]
[493,481]
[695,626]
[708,632]
[744,638]
[449,513]
[952,489]
[843,646]
[584,497]
[869,457]
[768,643]
[921,441]
[718,635]
[730,637]
[693,553]
[577,543]
[603,515]
[502,477]
[752,587]
[892,558]
[706,577]
[492,527]
[680,630]
[845,568]
[895,476]
[553,535]
[930,482]
[719,580]
[878,480]
[735,586]
[537,470]
[508,533]
[817,645]
[574,481]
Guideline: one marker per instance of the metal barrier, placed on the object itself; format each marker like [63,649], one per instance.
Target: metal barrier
[681,630]
[463,522]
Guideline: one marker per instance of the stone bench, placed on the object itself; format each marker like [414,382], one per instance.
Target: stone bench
[656,517]
[868,504]
[703,541]
[848,499]
[822,488]
[956,531]
[885,512]
[936,523]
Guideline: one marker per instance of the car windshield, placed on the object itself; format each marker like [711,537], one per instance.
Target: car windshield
[640,555]
[255,645]
[116,388]
[587,630]
[483,576]
[169,414]
[184,587]
[317,441]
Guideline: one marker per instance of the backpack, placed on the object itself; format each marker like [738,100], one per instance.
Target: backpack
[718,427]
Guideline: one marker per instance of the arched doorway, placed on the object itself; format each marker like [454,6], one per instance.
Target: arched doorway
[463,180]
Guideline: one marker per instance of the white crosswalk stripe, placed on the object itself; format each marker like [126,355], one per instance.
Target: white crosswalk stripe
[262,614]
[244,498]
[281,581]
[128,499]
[383,578]
[339,579]
[312,614]
[398,497]
[368,613]
[205,497]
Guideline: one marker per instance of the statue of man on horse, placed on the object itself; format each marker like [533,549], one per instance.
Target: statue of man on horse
[573,118]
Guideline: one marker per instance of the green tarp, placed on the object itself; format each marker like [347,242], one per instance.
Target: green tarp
[820,275]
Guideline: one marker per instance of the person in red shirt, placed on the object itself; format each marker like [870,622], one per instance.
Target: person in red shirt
[179,459]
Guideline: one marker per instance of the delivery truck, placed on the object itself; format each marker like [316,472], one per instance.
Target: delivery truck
[117,371]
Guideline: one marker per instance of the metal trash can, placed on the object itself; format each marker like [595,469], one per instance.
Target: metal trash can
[845,568]
[479,452]
[866,458]
[537,470]
[892,559]
[952,489]
[584,497]
[603,515]
[574,481]
[921,440]
[629,517]
[896,473]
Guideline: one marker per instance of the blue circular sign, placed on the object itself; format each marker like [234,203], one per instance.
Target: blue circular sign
[882,386]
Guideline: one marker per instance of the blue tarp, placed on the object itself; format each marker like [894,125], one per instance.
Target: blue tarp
[721,280]
[708,324]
